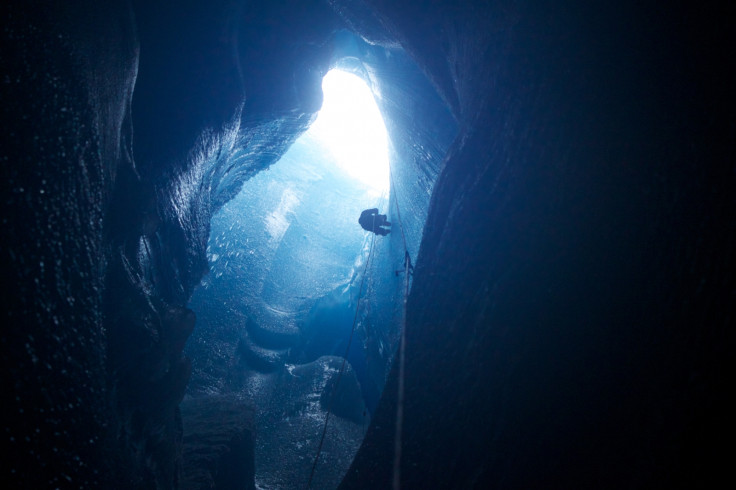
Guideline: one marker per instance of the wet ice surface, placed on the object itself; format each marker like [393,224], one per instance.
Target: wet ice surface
[292,405]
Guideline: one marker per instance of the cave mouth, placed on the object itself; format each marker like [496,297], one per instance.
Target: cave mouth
[350,125]
[291,270]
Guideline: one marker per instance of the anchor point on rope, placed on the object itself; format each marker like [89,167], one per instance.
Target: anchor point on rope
[407,265]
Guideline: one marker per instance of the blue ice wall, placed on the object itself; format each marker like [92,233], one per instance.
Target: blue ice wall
[288,239]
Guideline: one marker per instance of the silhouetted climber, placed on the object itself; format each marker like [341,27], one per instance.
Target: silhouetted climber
[370,220]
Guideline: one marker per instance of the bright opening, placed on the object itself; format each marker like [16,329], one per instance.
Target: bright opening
[351,127]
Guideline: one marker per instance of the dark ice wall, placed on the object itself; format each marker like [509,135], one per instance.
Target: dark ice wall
[102,254]
[569,320]
[67,80]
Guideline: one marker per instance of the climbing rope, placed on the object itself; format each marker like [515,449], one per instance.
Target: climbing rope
[408,269]
[398,211]
[344,359]
[400,389]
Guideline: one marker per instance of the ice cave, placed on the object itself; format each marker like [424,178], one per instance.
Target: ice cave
[190,302]
[295,285]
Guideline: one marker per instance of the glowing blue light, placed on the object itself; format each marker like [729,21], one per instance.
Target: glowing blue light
[351,127]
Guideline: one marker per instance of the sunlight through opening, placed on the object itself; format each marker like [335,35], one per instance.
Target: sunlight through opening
[351,127]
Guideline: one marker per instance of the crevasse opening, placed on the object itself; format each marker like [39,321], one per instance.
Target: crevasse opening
[351,126]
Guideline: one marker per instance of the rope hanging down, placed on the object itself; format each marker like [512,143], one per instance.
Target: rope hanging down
[408,270]
[344,361]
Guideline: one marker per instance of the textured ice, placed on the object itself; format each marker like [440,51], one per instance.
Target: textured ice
[277,221]
[292,405]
